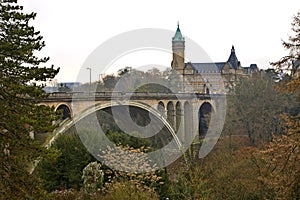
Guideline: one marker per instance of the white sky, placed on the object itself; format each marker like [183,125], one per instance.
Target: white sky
[72,29]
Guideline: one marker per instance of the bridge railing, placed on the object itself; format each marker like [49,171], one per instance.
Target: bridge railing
[70,95]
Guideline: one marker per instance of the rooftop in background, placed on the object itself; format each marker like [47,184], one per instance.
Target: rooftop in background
[61,86]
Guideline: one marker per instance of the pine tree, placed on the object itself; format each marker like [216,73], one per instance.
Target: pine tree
[20,94]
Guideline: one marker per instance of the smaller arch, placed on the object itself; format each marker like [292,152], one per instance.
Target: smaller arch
[204,118]
[179,113]
[66,111]
[161,107]
[171,113]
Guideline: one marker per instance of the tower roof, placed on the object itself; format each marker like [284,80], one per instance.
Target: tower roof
[233,59]
[178,35]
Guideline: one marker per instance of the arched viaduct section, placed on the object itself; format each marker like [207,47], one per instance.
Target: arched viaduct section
[101,106]
[184,112]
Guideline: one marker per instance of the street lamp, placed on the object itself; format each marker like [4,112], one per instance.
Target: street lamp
[101,78]
[88,68]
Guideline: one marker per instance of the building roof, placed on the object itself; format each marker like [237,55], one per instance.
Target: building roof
[217,67]
[233,59]
[178,35]
[253,66]
[202,68]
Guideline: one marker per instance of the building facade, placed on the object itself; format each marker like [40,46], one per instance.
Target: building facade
[207,77]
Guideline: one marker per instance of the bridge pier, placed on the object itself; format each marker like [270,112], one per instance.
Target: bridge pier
[189,122]
[180,122]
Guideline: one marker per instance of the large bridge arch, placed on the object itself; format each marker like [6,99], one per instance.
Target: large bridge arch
[167,105]
[102,106]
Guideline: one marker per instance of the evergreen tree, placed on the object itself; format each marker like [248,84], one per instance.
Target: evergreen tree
[20,114]
[65,170]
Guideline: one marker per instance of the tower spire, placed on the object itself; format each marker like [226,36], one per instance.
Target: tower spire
[178,35]
[232,48]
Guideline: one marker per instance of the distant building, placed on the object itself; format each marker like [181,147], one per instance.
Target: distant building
[70,85]
[62,87]
[50,89]
[208,77]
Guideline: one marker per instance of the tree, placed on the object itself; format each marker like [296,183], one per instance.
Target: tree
[93,177]
[280,169]
[293,46]
[110,81]
[124,71]
[65,171]
[131,168]
[154,71]
[254,109]
[19,95]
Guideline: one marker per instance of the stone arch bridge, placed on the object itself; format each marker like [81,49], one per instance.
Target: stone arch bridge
[187,113]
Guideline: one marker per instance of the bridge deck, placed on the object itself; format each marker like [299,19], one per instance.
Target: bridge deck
[63,96]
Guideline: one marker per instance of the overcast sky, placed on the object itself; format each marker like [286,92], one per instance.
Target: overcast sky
[72,29]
